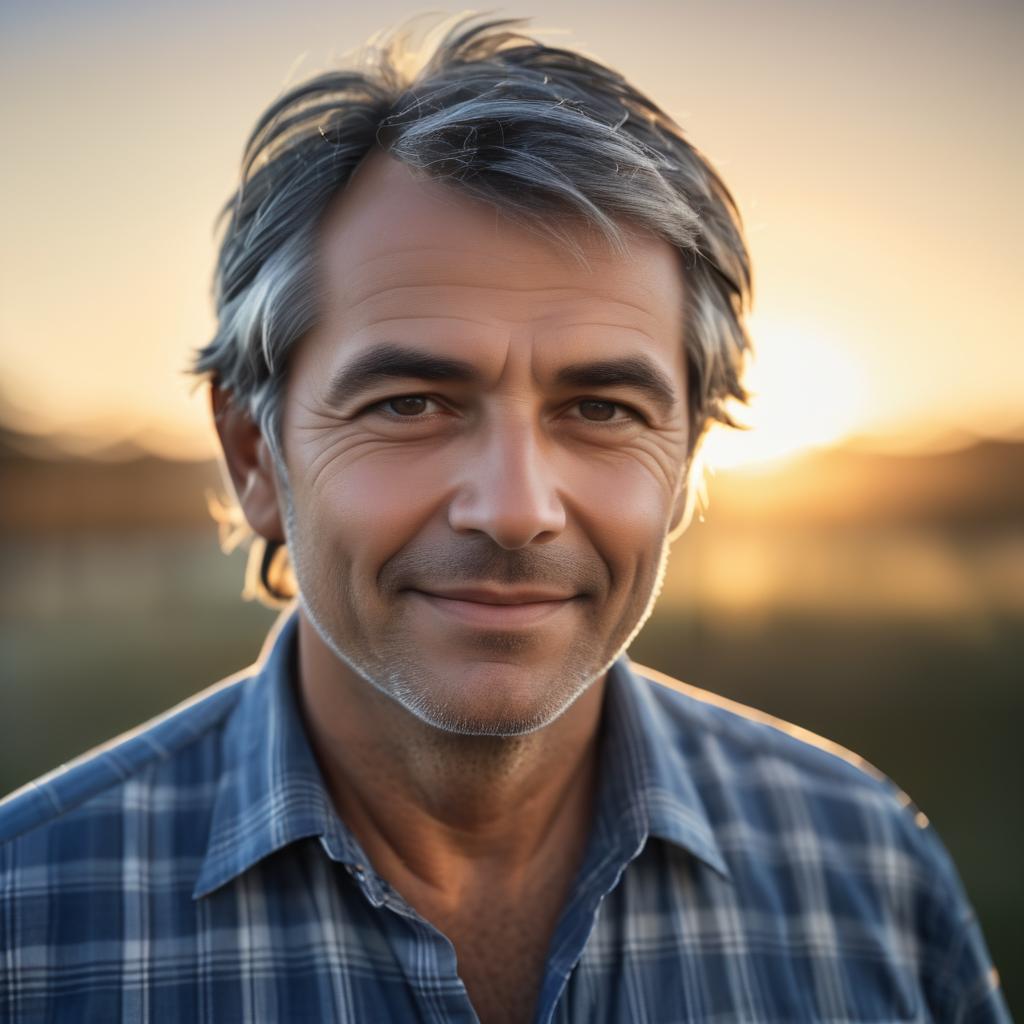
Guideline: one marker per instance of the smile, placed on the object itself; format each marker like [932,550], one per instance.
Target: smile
[494,616]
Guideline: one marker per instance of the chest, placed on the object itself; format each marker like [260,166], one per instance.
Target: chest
[502,954]
[502,931]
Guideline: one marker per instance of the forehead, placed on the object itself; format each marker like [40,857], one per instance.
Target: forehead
[396,245]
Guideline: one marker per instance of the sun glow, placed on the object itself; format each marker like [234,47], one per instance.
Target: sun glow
[808,391]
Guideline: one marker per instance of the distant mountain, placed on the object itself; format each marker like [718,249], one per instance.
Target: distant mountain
[977,487]
[47,491]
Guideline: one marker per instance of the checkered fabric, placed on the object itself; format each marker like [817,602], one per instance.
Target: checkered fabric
[739,869]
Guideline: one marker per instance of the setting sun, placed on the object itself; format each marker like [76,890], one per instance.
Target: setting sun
[808,390]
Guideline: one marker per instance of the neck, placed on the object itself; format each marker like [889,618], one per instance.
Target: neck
[441,810]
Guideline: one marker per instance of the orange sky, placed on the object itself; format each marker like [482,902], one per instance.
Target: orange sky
[873,148]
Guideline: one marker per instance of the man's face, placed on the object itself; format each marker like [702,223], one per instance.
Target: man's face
[485,443]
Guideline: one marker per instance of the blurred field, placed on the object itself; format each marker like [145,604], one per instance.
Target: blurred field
[877,600]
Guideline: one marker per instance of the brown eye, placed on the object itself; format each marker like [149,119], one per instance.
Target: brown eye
[595,410]
[408,405]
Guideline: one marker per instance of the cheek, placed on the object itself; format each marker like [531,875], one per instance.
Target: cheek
[623,495]
[369,506]
[374,505]
[625,510]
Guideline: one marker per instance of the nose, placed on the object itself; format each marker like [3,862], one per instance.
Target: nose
[508,489]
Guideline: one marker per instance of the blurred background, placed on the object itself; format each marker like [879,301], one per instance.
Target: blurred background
[859,566]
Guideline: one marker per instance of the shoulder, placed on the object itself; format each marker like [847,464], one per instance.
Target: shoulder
[169,756]
[766,780]
[747,734]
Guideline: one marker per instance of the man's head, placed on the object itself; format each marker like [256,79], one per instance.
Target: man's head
[472,329]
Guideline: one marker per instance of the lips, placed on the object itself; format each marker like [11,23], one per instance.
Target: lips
[508,609]
[505,595]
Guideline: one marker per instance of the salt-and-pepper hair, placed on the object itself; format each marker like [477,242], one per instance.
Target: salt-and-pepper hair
[548,136]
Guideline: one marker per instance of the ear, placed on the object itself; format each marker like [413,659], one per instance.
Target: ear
[250,464]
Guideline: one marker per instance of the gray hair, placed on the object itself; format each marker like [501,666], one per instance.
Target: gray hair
[546,135]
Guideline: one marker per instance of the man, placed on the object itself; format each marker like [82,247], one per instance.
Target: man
[472,330]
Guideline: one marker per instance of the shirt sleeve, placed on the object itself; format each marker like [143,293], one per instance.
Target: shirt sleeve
[964,986]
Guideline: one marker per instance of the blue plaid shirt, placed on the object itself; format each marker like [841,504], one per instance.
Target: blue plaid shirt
[738,869]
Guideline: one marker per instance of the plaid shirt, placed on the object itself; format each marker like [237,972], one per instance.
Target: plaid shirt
[739,869]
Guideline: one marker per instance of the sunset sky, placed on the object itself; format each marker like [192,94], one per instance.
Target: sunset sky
[874,149]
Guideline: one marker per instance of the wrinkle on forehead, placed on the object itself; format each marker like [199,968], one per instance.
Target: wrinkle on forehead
[488,305]
[398,249]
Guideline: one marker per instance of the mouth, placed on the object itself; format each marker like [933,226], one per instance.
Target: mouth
[487,612]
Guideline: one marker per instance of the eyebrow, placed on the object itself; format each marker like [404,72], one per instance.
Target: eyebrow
[635,372]
[396,362]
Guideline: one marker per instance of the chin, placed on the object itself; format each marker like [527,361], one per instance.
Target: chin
[495,699]
[470,724]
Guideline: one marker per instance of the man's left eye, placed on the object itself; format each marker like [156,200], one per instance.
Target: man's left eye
[408,406]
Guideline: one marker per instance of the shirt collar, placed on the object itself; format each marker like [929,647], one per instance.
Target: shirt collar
[647,787]
[270,791]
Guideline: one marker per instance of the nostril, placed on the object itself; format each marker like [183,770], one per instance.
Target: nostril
[510,516]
